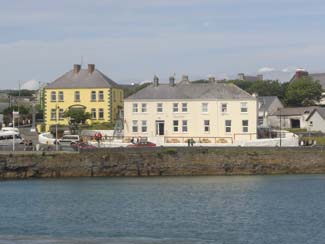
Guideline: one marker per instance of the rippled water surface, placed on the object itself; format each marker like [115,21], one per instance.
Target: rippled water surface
[252,209]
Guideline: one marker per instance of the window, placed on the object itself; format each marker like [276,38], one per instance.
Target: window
[175,125]
[243,107]
[61,113]
[184,107]
[260,120]
[143,107]
[101,96]
[206,125]
[224,108]
[245,126]
[53,114]
[159,107]
[134,126]
[93,113]
[228,126]
[144,126]
[204,107]
[101,113]
[175,107]
[184,125]
[61,96]
[93,96]
[134,107]
[53,96]
[77,96]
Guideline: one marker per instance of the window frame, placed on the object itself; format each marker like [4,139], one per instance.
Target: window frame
[245,126]
[93,113]
[160,107]
[228,126]
[144,126]
[175,126]
[206,125]
[175,108]
[100,95]
[184,107]
[100,113]
[135,126]
[243,107]
[93,96]
[77,96]
[144,108]
[60,96]
[205,107]
[53,96]
[184,126]
[135,108]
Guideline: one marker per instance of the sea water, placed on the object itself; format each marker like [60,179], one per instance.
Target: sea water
[164,210]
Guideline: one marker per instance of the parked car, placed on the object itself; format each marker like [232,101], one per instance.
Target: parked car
[81,145]
[143,144]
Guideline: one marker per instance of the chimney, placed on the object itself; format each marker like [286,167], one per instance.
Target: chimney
[172,81]
[91,68]
[155,81]
[241,76]
[301,73]
[260,77]
[76,68]
[212,79]
[185,79]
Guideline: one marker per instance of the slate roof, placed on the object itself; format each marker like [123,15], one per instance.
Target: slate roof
[294,111]
[320,110]
[181,91]
[83,79]
[266,102]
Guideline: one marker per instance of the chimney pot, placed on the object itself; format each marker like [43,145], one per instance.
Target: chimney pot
[91,68]
[155,81]
[172,81]
[76,68]
[212,79]
[185,79]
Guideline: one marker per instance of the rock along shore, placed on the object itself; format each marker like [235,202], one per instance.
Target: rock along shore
[163,162]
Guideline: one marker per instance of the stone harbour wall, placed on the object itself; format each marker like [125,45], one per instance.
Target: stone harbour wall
[163,162]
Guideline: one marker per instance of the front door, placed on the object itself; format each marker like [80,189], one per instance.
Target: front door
[160,127]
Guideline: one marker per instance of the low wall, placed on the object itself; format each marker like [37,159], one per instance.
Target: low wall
[163,162]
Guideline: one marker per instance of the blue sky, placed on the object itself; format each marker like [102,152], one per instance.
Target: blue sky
[131,40]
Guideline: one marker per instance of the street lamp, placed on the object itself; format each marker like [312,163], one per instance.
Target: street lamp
[56,128]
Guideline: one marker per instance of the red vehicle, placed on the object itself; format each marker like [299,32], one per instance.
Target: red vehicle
[81,145]
[142,144]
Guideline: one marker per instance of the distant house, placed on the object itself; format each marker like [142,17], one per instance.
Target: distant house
[291,117]
[207,112]
[242,76]
[267,105]
[316,76]
[316,120]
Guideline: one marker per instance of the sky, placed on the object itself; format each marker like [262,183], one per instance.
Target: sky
[132,40]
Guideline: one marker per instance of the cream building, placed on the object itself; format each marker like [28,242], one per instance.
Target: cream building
[207,112]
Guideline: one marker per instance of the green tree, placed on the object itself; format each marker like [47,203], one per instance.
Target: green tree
[303,92]
[24,113]
[77,115]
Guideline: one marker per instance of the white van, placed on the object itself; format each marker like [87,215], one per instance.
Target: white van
[68,139]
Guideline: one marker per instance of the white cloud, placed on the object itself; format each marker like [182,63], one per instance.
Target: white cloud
[266,70]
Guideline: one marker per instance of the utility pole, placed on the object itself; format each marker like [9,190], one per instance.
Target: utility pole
[280,128]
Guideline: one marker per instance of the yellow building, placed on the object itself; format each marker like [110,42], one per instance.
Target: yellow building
[87,89]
